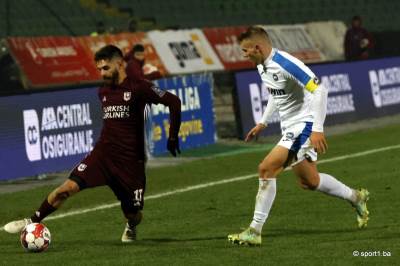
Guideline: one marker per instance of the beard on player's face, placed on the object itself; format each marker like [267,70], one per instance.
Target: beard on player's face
[111,79]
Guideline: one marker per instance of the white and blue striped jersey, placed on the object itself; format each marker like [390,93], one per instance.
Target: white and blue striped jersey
[290,84]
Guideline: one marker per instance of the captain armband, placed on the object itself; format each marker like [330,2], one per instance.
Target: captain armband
[312,84]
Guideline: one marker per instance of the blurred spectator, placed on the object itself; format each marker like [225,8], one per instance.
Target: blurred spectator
[113,30]
[132,25]
[100,29]
[136,67]
[10,77]
[358,43]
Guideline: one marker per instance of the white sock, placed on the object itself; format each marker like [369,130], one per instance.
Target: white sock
[264,199]
[331,186]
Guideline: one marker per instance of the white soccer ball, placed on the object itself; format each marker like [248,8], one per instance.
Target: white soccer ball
[35,237]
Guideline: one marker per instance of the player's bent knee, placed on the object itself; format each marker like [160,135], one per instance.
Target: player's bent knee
[266,171]
[310,183]
[261,169]
[75,183]
[72,187]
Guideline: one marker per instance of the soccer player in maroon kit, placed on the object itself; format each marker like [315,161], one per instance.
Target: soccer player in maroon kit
[118,158]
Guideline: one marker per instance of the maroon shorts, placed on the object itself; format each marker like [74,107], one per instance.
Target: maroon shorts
[127,179]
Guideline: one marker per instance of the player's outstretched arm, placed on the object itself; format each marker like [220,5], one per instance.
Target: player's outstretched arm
[269,110]
[174,104]
[154,94]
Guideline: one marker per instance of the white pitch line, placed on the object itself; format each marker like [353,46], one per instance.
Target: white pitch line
[211,184]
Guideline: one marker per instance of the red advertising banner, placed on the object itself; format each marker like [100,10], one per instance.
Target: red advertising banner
[293,39]
[125,42]
[53,60]
[225,44]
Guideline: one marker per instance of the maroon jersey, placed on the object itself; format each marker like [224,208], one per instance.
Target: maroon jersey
[122,136]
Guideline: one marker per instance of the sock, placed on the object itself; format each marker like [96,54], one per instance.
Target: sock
[264,199]
[44,210]
[331,186]
[134,219]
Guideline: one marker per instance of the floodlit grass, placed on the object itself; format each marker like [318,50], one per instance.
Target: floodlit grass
[190,228]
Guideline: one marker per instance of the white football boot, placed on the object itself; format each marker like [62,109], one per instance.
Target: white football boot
[15,227]
[129,234]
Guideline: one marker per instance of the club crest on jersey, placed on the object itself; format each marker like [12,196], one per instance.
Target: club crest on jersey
[82,167]
[127,95]
[316,81]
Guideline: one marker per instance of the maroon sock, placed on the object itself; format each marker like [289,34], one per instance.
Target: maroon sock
[44,210]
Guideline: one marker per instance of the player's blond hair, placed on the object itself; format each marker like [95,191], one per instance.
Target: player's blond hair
[254,31]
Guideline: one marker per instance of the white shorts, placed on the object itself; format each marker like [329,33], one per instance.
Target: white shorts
[296,138]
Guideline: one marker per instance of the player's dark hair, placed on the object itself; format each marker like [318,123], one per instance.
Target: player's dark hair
[138,48]
[108,52]
[253,31]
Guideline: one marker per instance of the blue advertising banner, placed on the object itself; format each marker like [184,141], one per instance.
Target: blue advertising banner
[47,132]
[53,131]
[198,127]
[357,90]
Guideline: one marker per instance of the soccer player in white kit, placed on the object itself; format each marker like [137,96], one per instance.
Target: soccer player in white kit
[301,101]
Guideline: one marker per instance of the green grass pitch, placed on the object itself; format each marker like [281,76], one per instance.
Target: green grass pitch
[190,228]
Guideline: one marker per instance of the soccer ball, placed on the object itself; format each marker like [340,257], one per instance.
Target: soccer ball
[35,237]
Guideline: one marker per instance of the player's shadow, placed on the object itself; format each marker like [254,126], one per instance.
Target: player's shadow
[194,239]
[268,234]
[274,233]
[293,231]
[152,241]
[10,248]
